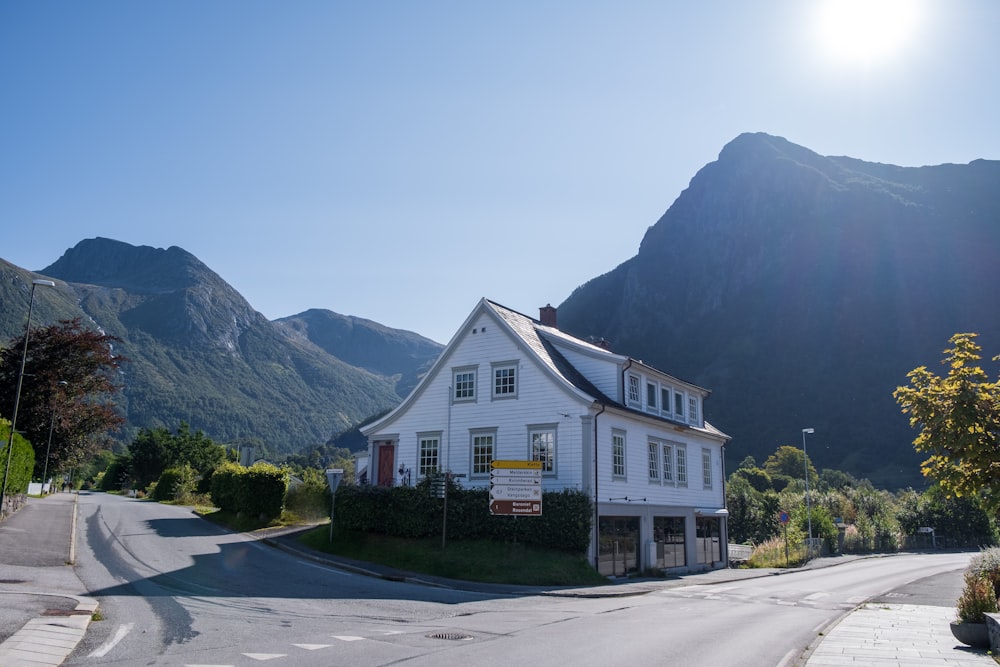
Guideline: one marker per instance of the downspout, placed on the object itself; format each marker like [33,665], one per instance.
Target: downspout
[597,513]
[724,503]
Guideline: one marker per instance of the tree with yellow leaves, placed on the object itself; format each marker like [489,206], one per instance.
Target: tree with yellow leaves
[958,416]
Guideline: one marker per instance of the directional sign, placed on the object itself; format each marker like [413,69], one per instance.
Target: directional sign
[507,492]
[516,488]
[516,507]
[783,516]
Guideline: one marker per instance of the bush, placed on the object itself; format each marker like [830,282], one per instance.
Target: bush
[977,599]
[257,491]
[22,461]
[416,512]
[174,484]
[982,586]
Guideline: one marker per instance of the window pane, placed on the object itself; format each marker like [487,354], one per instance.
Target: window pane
[503,381]
[682,474]
[465,385]
[651,394]
[618,455]
[482,454]
[668,463]
[654,461]
[543,448]
[429,448]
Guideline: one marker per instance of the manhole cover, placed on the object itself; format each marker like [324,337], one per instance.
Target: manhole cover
[454,636]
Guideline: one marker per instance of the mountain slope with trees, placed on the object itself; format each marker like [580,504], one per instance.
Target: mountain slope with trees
[801,289]
[197,352]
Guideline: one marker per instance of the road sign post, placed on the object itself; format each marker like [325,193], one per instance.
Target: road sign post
[516,488]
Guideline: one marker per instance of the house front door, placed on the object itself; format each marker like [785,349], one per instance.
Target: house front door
[386,464]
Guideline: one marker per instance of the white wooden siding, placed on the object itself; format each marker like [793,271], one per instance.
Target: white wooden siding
[637,483]
[539,401]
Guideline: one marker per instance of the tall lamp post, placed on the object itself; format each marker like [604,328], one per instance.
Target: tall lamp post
[17,394]
[48,448]
[805,463]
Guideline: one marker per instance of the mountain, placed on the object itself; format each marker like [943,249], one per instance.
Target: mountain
[801,289]
[198,352]
[401,355]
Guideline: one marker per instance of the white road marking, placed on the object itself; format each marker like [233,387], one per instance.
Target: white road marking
[264,656]
[313,647]
[817,596]
[106,647]
[348,638]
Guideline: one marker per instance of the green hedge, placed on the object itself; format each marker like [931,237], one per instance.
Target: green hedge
[22,461]
[255,491]
[416,512]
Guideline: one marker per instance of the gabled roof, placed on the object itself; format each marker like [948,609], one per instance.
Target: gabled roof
[542,343]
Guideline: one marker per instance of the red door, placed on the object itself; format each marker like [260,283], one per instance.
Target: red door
[386,461]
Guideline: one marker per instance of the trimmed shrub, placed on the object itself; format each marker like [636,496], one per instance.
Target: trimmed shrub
[22,461]
[416,512]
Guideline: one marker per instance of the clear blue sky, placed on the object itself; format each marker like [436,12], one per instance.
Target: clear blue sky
[399,160]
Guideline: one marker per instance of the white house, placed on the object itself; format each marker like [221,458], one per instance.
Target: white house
[509,387]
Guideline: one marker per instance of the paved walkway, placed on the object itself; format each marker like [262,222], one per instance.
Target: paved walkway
[40,597]
[881,635]
[38,588]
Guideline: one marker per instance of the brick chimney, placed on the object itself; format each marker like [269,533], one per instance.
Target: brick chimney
[547,316]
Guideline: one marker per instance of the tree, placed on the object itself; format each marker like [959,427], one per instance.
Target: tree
[154,450]
[789,462]
[71,379]
[958,418]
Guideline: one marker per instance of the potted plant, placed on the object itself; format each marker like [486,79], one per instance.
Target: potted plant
[978,598]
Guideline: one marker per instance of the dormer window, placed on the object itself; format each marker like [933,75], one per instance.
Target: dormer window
[634,397]
[693,410]
[652,393]
[678,405]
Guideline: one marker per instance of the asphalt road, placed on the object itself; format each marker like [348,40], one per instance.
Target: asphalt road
[176,590]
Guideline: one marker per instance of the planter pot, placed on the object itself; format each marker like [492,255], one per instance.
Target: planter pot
[971,634]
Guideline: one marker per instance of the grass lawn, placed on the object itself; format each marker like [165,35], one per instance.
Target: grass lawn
[490,562]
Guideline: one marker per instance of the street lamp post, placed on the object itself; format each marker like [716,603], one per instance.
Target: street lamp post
[805,463]
[48,448]
[17,394]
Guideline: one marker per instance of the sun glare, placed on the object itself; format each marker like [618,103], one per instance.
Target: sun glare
[865,31]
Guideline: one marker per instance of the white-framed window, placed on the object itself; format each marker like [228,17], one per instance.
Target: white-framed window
[464,383]
[652,393]
[682,466]
[706,468]
[618,454]
[678,405]
[654,461]
[693,409]
[542,440]
[483,445]
[429,445]
[505,380]
[668,463]
[634,397]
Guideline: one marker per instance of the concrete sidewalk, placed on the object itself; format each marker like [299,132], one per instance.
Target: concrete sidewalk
[896,634]
[43,615]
